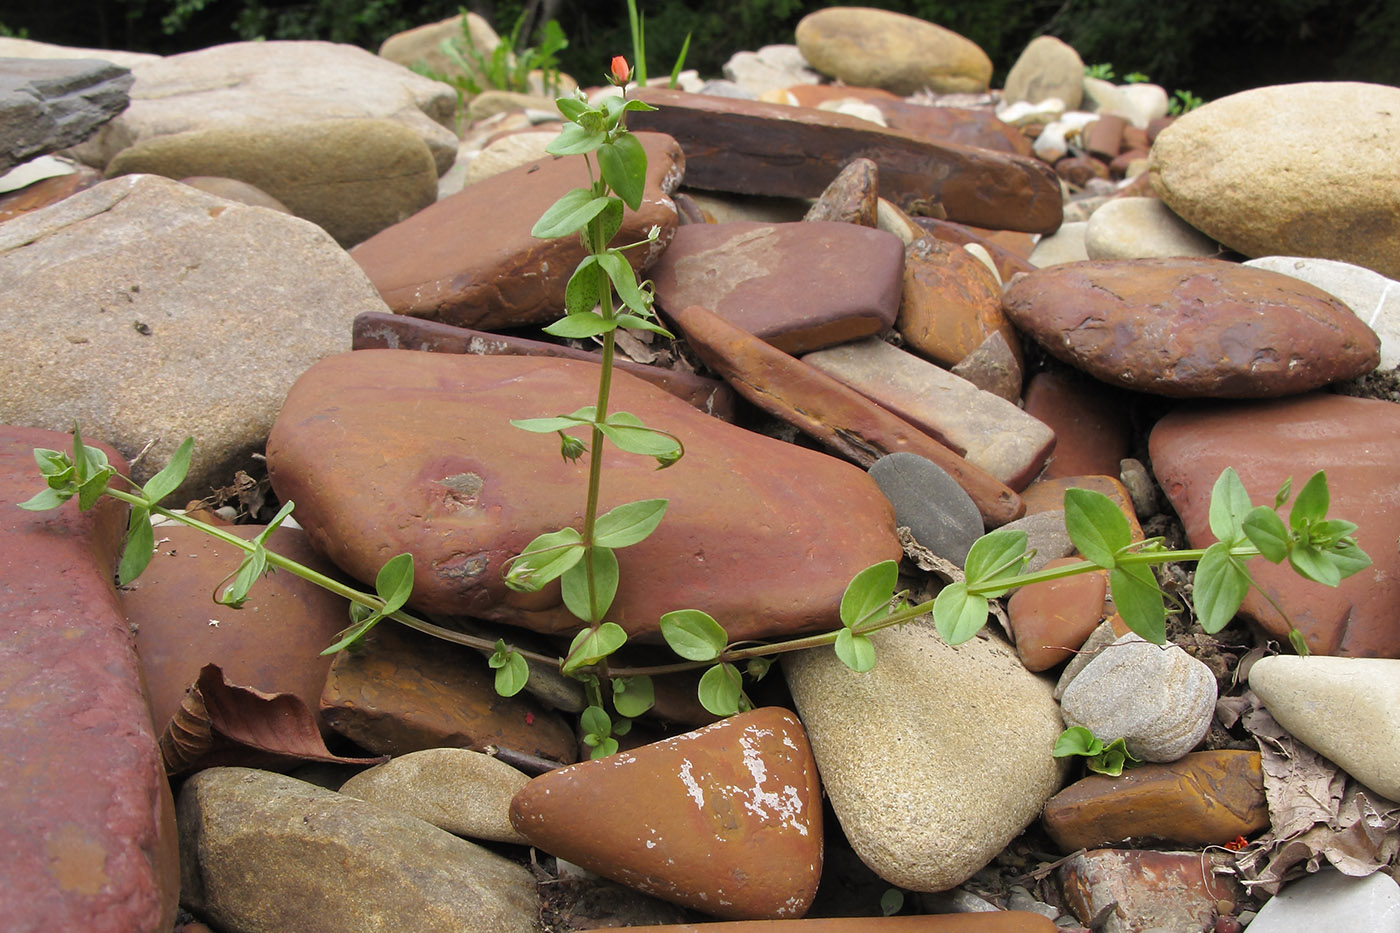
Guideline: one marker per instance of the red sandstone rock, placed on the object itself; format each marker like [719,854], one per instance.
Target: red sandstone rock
[1090,421]
[951,303]
[726,819]
[87,838]
[1001,921]
[1135,891]
[1051,620]
[1008,260]
[852,197]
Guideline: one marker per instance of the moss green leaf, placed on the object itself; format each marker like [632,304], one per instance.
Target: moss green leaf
[593,645]
[623,163]
[628,524]
[694,635]
[172,475]
[1229,506]
[1138,599]
[544,559]
[139,548]
[1098,528]
[574,584]
[1266,531]
[1221,585]
[957,614]
[721,689]
[633,696]
[855,651]
[569,214]
[869,593]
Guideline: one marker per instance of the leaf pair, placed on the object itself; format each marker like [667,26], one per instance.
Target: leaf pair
[624,429]
[960,609]
[866,597]
[1108,759]
[696,636]
[85,474]
[555,553]
[1101,533]
[393,585]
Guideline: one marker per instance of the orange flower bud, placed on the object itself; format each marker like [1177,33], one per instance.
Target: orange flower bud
[620,70]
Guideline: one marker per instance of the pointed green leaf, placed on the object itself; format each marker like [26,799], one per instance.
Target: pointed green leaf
[957,614]
[721,689]
[512,670]
[572,108]
[634,104]
[623,163]
[252,568]
[1284,492]
[633,322]
[694,635]
[1138,599]
[1329,531]
[1310,561]
[627,431]
[625,281]
[276,522]
[394,583]
[1221,585]
[1266,531]
[1076,740]
[362,619]
[569,214]
[168,479]
[595,722]
[546,425]
[575,584]
[593,645]
[544,559]
[628,524]
[1229,506]
[1348,558]
[45,499]
[1311,502]
[140,546]
[633,696]
[581,326]
[996,554]
[53,462]
[576,139]
[869,592]
[855,651]
[94,486]
[1098,528]
[582,291]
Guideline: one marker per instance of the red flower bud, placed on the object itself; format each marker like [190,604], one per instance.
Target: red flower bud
[620,70]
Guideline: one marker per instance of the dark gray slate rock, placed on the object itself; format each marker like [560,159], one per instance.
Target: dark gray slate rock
[47,104]
[940,515]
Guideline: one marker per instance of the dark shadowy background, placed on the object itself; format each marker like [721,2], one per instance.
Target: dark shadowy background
[1210,47]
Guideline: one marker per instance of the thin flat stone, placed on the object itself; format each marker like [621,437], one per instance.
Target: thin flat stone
[48,104]
[851,197]
[984,429]
[829,411]
[930,504]
[757,148]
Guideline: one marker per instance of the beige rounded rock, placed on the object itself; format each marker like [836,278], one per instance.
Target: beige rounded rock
[1048,67]
[1347,709]
[865,47]
[464,792]
[1142,228]
[1066,244]
[509,152]
[936,758]
[1296,170]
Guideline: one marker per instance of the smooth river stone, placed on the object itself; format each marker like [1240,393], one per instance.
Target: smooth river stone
[1192,328]
[1357,441]
[386,451]
[799,286]
[866,47]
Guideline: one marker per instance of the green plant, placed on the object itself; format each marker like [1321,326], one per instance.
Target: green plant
[1136,77]
[636,24]
[1108,759]
[1103,71]
[507,67]
[1183,102]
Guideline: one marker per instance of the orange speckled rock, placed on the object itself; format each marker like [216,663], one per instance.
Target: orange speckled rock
[1205,799]
[1140,890]
[951,302]
[726,819]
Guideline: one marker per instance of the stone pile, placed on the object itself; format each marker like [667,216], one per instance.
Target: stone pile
[909,309]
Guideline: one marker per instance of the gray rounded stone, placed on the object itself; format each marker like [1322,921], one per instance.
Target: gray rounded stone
[1159,699]
[941,516]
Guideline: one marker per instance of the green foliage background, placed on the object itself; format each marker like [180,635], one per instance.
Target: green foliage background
[1210,47]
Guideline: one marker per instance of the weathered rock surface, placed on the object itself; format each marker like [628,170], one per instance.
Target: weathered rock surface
[265,853]
[1204,799]
[984,429]
[437,264]
[1047,67]
[1090,421]
[144,282]
[1357,441]
[1192,327]
[28,48]
[258,84]
[47,105]
[464,792]
[1158,699]
[1137,891]
[1293,169]
[726,819]
[955,766]
[951,302]
[800,287]
[423,45]
[352,178]
[904,54]
[852,197]
[87,836]
[1051,619]
[826,409]
[1332,899]
[1347,709]
[960,125]
[465,491]
[772,149]
[1002,921]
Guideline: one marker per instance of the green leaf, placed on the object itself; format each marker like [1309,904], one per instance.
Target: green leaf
[633,696]
[394,583]
[694,635]
[1284,492]
[602,749]
[634,104]
[625,281]
[544,559]
[1076,740]
[140,546]
[1097,527]
[572,108]
[1311,503]
[1311,562]
[576,139]
[249,571]
[91,489]
[1329,531]
[53,462]
[1221,585]
[569,214]
[628,524]
[1229,506]
[1113,759]
[581,326]
[1348,558]
[855,651]
[994,554]
[633,322]
[675,75]
[581,293]
[627,431]
[1266,531]
[868,593]
[721,689]
[1138,600]
[757,668]
[168,479]
[957,614]
[574,583]
[623,163]
[512,670]
[362,619]
[608,222]
[596,724]
[558,423]
[45,499]
[1298,643]
[593,645]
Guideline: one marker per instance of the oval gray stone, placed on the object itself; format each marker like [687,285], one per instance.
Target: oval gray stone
[941,516]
